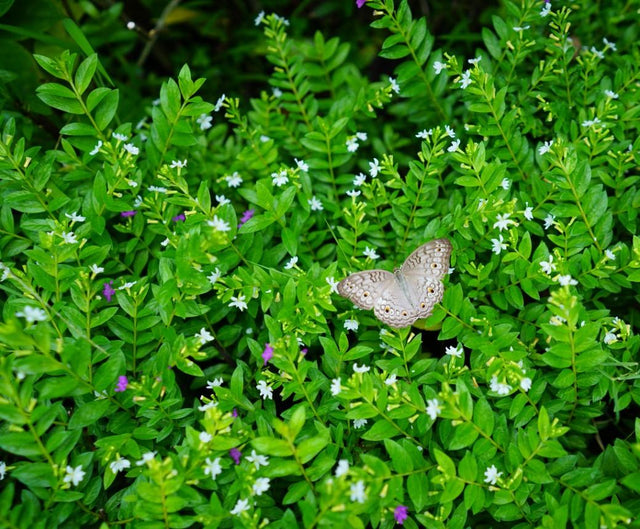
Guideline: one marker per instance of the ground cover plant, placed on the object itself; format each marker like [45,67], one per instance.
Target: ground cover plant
[174,351]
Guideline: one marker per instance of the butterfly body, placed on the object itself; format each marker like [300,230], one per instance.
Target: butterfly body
[409,293]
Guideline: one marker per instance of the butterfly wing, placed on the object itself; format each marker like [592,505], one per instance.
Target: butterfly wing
[364,288]
[393,307]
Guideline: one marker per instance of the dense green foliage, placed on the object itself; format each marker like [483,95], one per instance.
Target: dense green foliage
[173,350]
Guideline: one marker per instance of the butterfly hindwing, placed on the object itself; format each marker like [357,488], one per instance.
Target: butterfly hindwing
[394,308]
[363,288]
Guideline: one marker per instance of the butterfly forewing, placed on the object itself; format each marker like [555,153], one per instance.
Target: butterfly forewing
[429,260]
[363,288]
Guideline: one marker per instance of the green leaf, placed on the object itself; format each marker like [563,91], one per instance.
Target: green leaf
[272,447]
[59,97]
[85,72]
[89,413]
[399,457]
[106,109]
[418,488]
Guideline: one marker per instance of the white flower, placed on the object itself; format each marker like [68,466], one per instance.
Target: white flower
[75,217]
[359,179]
[219,224]
[475,60]
[157,189]
[204,336]
[609,44]
[302,165]
[137,202]
[119,137]
[449,131]
[362,136]
[590,122]
[498,245]
[32,314]
[454,146]
[424,134]
[215,383]
[548,266]
[454,351]
[205,437]
[610,337]
[371,253]
[336,388]
[133,184]
[597,53]
[433,409]
[277,93]
[525,384]
[353,193]
[546,9]
[127,285]
[3,469]
[611,94]
[291,263]
[359,423]
[234,180]
[259,18]
[374,167]
[222,200]
[214,276]
[505,183]
[351,325]
[238,302]
[146,457]
[465,79]
[204,120]
[74,475]
[342,468]
[261,485]
[545,147]
[557,320]
[566,280]
[481,203]
[357,492]
[95,269]
[352,144]
[179,164]
[439,66]
[491,475]
[257,460]
[207,406]
[315,204]
[528,212]
[69,238]
[119,464]
[394,85]
[499,387]
[131,149]
[503,221]
[241,506]
[518,28]
[391,379]
[266,391]
[96,149]
[212,468]
[279,179]
[333,284]
[610,255]
[549,221]
[219,103]
[360,369]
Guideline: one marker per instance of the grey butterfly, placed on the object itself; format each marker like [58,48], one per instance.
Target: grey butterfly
[409,293]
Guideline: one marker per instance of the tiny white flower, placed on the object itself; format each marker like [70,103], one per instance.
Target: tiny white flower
[557,320]
[449,131]
[528,212]
[96,149]
[336,388]
[260,485]
[371,253]
[549,220]
[3,469]
[119,137]
[491,475]
[215,383]
[498,245]
[357,493]
[208,406]
[95,269]
[214,276]
[439,66]
[394,85]
[505,183]
[518,28]
[351,325]
[281,19]
[157,189]
[205,437]
[465,79]
[292,262]
[119,464]
[352,144]
[179,164]
[302,165]
[146,457]
[238,302]
[362,136]
[610,255]
[204,336]
[424,134]
[212,468]
[609,44]
[204,120]
[360,369]
[503,221]
[611,94]
[548,266]
[546,9]
[127,285]
[258,460]
[499,387]
[333,284]
[391,379]
[131,149]
[525,384]
[359,423]
[69,238]
[374,167]
[566,280]
[597,52]
[359,179]
[433,409]
[315,204]
[219,224]
[32,314]
[277,93]
[342,468]
[610,338]
[475,60]
[259,18]
[219,103]
[137,202]
[74,475]
[353,193]
[235,180]
[241,506]
[545,147]
[279,179]
[590,122]
[456,351]
[454,146]
[132,183]
[222,200]
[266,391]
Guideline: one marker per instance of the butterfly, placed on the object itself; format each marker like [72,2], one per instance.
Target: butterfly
[409,293]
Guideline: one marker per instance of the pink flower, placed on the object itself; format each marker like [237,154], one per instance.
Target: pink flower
[246,216]
[360,3]
[108,291]
[235,455]
[400,514]
[128,213]
[123,381]
[177,218]
[267,354]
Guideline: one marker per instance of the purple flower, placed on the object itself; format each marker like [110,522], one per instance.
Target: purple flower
[123,381]
[360,3]
[128,213]
[108,291]
[267,354]
[179,218]
[234,413]
[246,216]
[400,514]
[235,455]
[304,351]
